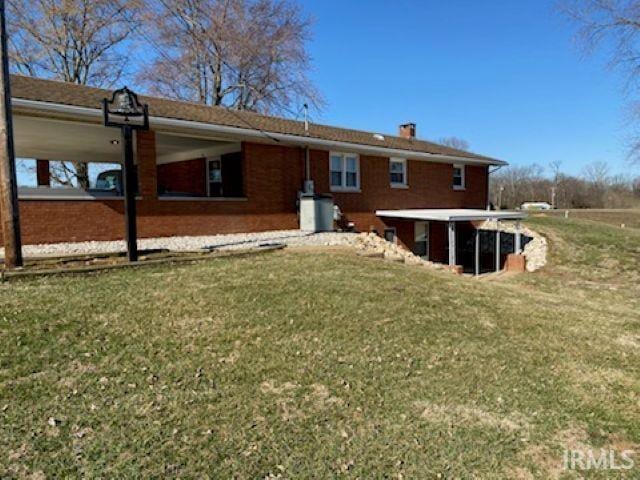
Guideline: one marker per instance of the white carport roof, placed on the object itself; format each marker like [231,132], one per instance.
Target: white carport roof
[452,214]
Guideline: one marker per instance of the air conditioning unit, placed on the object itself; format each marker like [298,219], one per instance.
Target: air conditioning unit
[316,213]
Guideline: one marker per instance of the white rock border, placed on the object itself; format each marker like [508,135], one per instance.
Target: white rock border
[192,243]
[367,243]
[370,244]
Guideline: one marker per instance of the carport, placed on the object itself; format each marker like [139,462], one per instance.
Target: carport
[451,218]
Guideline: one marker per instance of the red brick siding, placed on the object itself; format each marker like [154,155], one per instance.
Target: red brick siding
[405,232]
[43,174]
[438,242]
[78,220]
[430,186]
[272,175]
[146,158]
[188,176]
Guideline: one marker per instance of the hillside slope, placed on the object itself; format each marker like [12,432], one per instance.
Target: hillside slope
[312,365]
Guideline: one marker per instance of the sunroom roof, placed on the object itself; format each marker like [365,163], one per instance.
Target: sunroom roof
[452,214]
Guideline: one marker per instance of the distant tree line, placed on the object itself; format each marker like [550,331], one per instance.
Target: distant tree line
[595,187]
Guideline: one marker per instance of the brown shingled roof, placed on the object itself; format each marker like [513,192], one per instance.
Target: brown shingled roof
[49,91]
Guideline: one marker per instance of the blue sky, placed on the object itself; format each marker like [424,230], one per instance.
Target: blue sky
[504,75]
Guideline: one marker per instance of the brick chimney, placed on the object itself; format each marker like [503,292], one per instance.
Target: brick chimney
[408,130]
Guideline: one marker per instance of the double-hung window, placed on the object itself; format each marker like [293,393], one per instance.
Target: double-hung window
[458,177]
[344,171]
[398,172]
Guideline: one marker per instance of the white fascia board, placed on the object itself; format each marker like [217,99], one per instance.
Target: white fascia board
[452,215]
[499,216]
[209,152]
[286,138]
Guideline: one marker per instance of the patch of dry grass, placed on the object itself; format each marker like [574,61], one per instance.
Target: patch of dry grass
[630,217]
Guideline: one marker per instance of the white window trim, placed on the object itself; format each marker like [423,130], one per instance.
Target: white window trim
[405,183]
[343,187]
[463,184]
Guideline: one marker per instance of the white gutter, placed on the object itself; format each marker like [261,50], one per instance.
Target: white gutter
[290,139]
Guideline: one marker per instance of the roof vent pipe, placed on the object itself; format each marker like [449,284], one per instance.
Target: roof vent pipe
[306,119]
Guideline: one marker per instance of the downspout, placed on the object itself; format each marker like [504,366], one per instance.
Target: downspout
[308,183]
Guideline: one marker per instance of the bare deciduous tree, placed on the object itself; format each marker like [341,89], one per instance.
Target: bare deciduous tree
[454,142]
[614,24]
[597,173]
[595,188]
[65,174]
[244,54]
[615,20]
[73,41]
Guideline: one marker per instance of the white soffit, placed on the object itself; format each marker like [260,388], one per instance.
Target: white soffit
[70,141]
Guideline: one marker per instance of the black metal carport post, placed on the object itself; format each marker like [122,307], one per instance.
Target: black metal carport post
[128,179]
[118,112]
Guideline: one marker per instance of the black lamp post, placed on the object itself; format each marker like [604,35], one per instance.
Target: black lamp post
[124,111]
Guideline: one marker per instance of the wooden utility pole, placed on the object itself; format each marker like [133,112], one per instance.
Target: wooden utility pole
[8,182]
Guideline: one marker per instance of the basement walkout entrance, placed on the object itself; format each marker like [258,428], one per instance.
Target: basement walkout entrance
[455,236]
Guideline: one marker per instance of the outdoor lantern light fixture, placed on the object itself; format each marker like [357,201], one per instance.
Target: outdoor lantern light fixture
[125,111]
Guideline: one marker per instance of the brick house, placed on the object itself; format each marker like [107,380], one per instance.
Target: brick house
[208,170]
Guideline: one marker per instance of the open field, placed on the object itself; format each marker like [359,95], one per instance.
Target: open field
[628,217]
[323,364]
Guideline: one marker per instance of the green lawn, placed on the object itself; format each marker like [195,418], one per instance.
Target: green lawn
[314,365]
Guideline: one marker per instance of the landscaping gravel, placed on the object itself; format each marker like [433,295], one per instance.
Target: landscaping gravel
[219,242]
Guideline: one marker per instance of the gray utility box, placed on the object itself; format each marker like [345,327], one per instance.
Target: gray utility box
[316,213]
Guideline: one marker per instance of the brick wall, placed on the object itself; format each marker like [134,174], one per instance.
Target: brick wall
[272,176]
[405,232]
[438,242]
[188,176]
[429,187]
[146,159]
[43,174]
